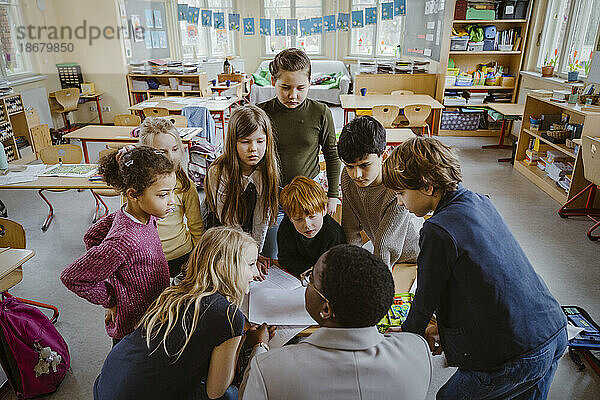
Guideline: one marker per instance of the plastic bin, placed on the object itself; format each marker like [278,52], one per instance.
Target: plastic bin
[450,80]
[513,9]
[475,46]
[459,43]
[473,13]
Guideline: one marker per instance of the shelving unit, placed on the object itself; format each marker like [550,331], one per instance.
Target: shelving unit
[13,123]
[198,80]
[536,106]
[468,60]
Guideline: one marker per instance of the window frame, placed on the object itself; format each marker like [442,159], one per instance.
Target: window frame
[207,35]
[294,40]
[25,56]
[565,42]
[374,53]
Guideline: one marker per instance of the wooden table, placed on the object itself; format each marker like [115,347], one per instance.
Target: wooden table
[509,112]
[98,133]
[57,182]
[221,87]
[216,107]
[11,261]
[352,102]
[84,98]
[395,136]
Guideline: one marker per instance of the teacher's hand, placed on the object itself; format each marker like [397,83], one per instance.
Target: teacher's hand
[259,333]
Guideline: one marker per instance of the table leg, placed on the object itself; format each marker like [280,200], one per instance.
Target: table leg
[99,109]
[345,116]
[500,144]
[222,113]
[85,151]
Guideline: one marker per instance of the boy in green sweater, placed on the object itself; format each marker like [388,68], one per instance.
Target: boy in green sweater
[307,231]
[302,128]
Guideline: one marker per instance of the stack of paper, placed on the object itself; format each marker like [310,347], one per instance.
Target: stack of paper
[30,174]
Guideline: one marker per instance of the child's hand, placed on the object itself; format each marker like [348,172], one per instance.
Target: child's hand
[263,265]
[259,333]
[332,203]
[110,315]
[433,338]
[123,150]
[393,329]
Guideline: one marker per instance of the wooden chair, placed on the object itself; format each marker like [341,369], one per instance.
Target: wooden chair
[99,193]
[386,114]
[402,92]
[65,154]
[417,115]
[180,121]
[127,120]
[12,235]
[68,100]
[40,138]
[155,112]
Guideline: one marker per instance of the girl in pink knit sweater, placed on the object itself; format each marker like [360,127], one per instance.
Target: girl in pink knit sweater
[124,268]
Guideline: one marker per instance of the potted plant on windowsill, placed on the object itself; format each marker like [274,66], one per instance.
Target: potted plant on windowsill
[587,64]
[549,64]
[573,75]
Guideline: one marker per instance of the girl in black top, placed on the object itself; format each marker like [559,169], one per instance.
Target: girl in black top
[187,344]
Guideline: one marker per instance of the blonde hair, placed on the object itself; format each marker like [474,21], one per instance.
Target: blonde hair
[215,265]
[153,126]
[302,197]
[420,162]
[244,121]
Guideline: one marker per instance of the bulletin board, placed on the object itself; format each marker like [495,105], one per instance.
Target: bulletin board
[152,17]
[424,28]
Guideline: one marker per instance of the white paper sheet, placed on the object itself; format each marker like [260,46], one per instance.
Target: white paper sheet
[277,279]
[30,174]
[151,104]
[284,334]
[278,306]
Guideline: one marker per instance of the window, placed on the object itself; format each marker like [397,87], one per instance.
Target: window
[14,60]
[198,41]
[380,39]
[298,9]
[570,26]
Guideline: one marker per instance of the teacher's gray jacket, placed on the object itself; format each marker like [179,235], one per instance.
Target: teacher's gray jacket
[341,363]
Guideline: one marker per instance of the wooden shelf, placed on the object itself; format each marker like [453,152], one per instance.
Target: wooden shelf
[489,53]
[480,87]
[541,180]
[489,21]
[560,147]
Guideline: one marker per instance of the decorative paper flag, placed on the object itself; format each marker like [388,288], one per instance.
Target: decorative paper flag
[190,15]
[329,23]
[387,11]
[219,20]
[207,18]
[280,27]
[305,27]
[234,22]
[196,16]
[399,7]
[358,19]
[182,12]
[370,15]
[158,19]
[316,25]
[265,26]
[292,27]
[343,21]
[149,18]
[249,26]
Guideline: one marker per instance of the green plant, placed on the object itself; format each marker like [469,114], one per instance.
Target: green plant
[573,62]
[587,64]
[551,61]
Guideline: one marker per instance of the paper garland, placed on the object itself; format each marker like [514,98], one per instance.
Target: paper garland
[206,18]
[358,19]
[265,27]
[280,27]
[234,22]
[248,26]
[219,20]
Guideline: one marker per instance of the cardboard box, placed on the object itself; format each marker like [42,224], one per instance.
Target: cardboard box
[33,118]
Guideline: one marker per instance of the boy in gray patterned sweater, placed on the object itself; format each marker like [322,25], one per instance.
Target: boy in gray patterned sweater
[368,205]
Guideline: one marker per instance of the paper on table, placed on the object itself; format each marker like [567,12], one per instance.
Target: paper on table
[151,104]
[30,174]
[284,334]
[278,306]
[278,279]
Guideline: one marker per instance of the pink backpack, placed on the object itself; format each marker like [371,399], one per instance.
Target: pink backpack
[34,355]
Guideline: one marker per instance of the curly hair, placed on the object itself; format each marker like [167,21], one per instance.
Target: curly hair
[137,169]
[360,137]
[289,60]
[420,162]
[358,285]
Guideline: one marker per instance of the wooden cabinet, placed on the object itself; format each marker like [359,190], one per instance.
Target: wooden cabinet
[536,106]
[169,85]
[13,123]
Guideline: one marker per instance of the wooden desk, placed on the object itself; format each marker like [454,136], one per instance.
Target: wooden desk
[98,133]
[216,107]
[56,182]
[352,102]
[84,98]
[221,87]
[509,112]
[11,261]
[395,136]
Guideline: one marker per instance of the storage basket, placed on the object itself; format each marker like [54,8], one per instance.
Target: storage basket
[456,120]
[475,46]
[459,43]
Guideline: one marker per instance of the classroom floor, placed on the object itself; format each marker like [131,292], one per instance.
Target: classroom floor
[558,249]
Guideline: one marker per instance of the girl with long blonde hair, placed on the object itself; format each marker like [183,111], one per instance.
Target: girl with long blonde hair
[177,236]
[186,345]
[242,185]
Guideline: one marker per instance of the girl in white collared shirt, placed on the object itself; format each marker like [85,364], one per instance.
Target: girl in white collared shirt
[242,184]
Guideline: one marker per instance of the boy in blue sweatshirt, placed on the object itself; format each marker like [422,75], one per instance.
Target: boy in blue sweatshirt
[496,319]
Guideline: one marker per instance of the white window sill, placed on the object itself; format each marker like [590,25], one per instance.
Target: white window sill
[23,79]
[554,80]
